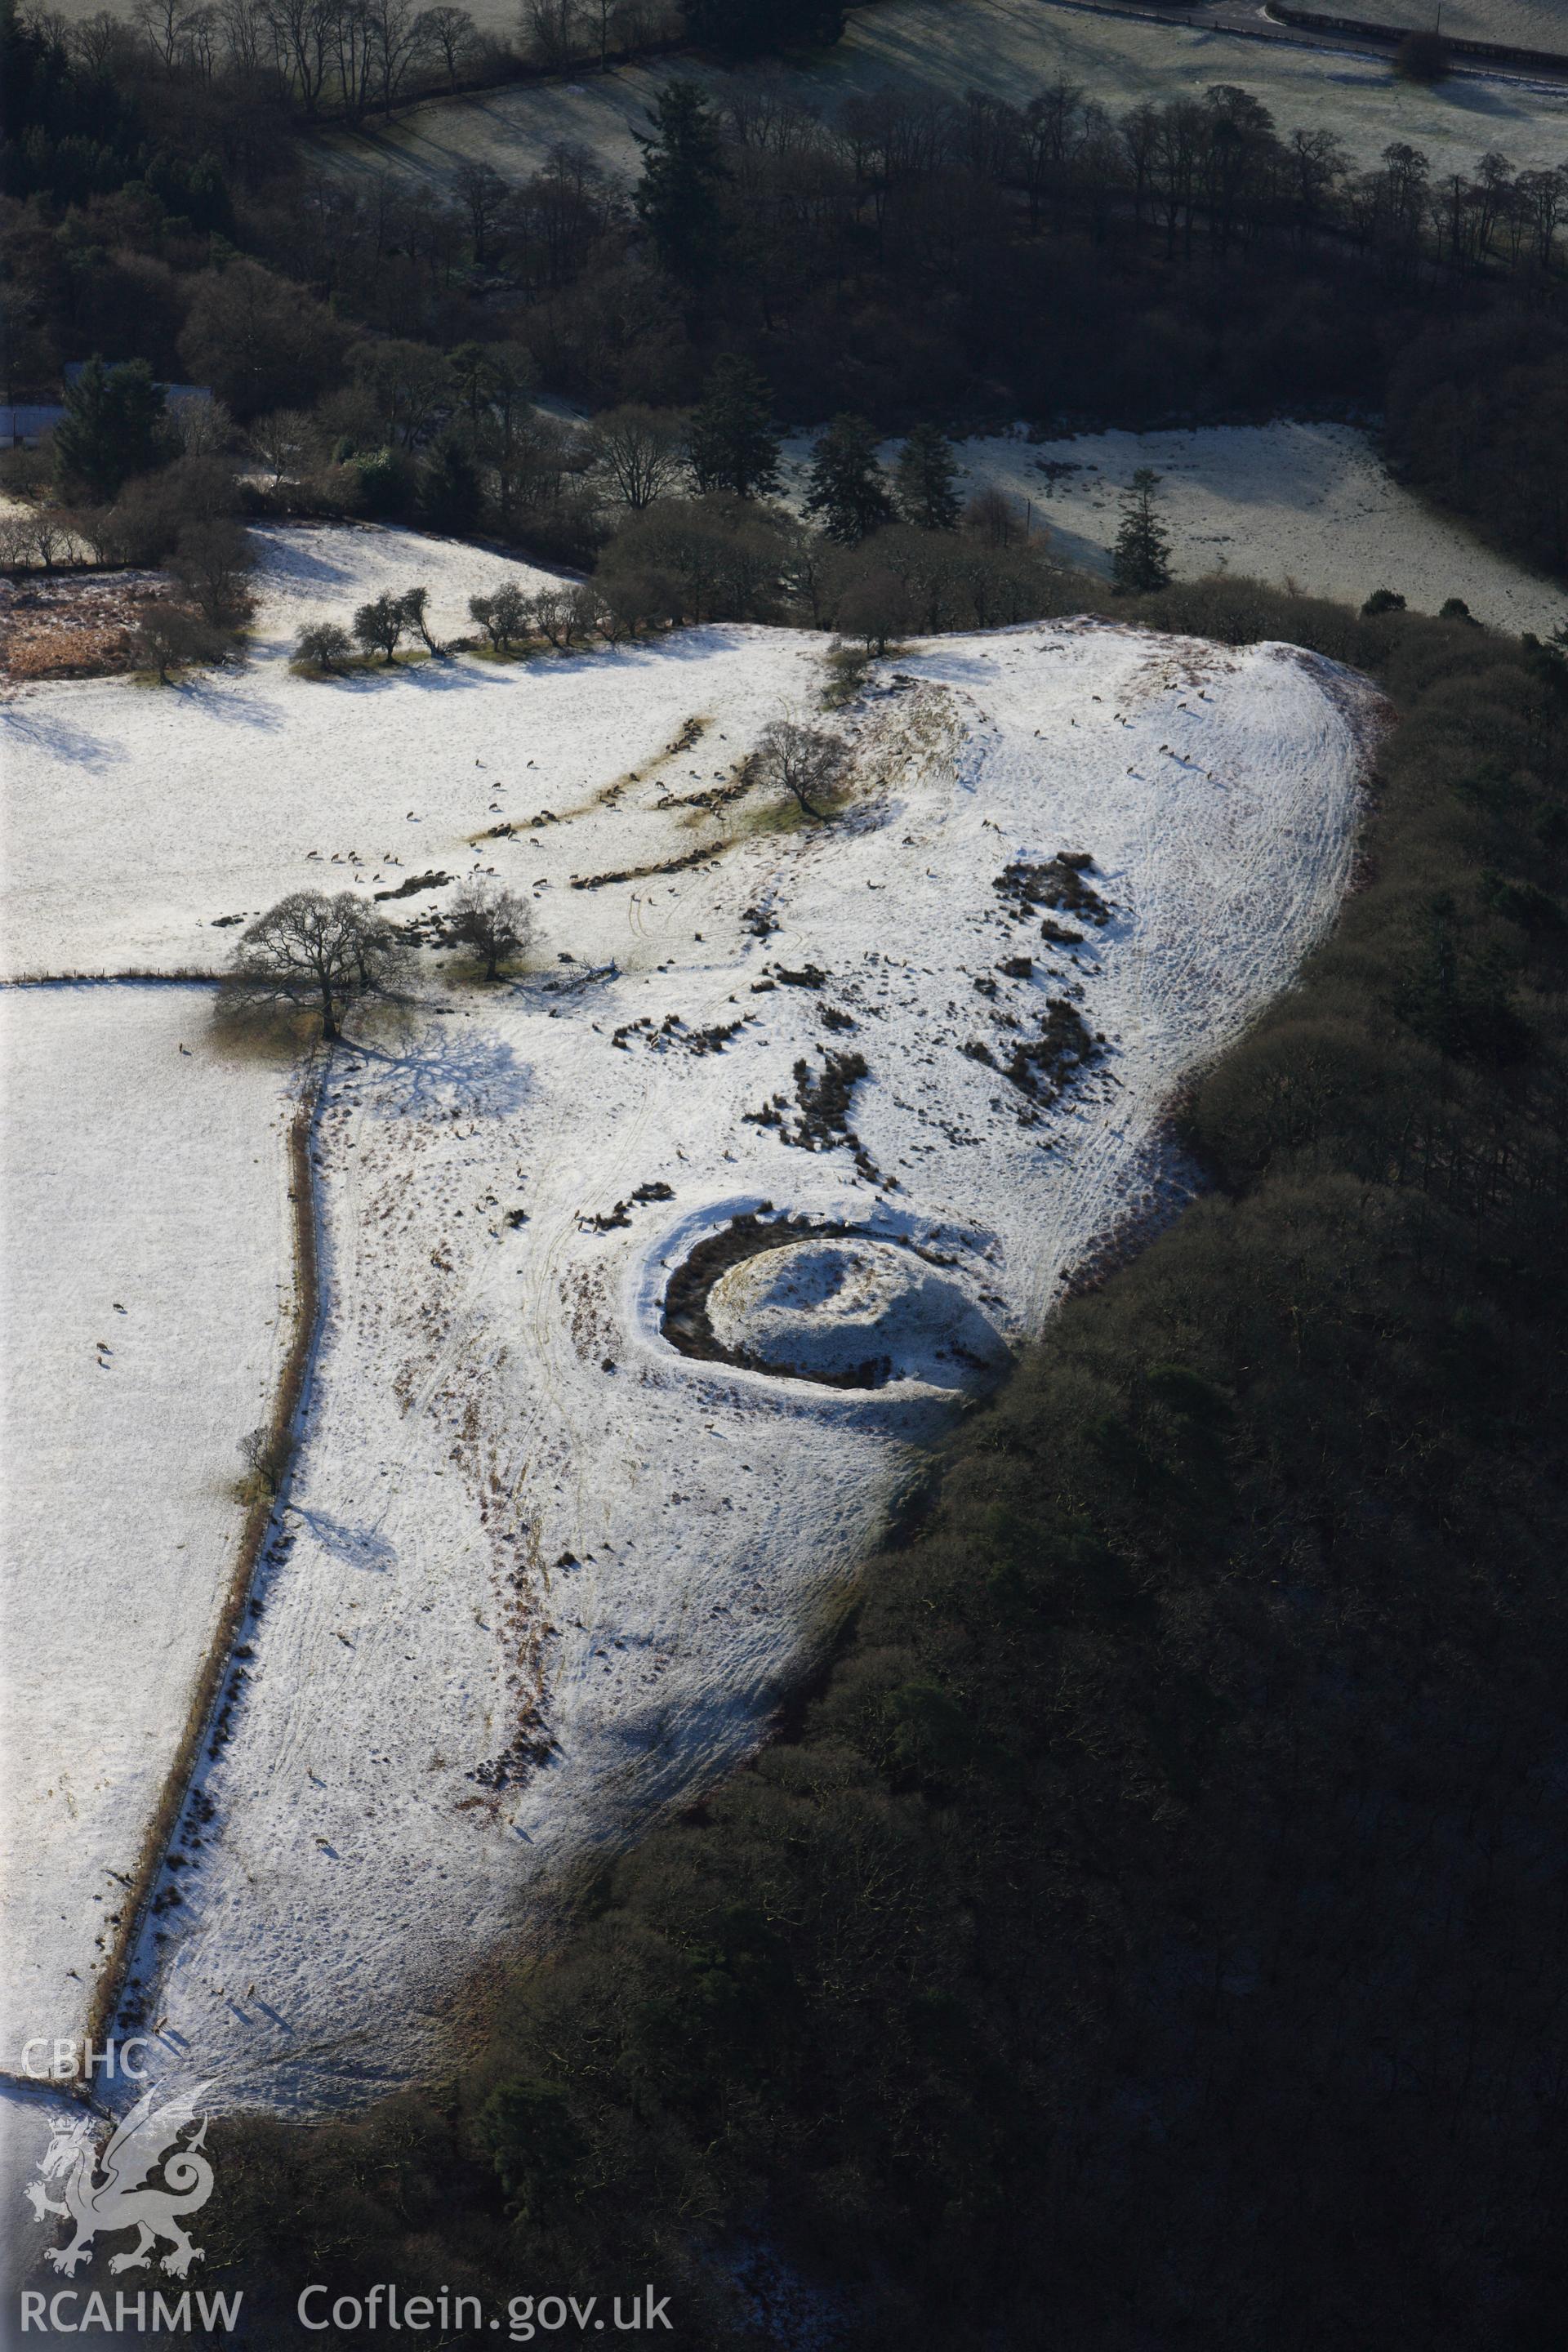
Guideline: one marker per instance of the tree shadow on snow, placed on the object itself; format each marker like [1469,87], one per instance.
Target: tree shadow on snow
[697,641]
[72,744]
[231,708]
[434,677]
[441,676]
[295,561]
[426,1066]
[361,1547]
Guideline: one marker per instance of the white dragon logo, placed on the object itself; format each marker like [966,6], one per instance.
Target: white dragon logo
[124,2199]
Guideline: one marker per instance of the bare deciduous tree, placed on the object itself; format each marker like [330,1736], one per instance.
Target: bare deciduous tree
[562,615]
[402,38]
[285,441]
[43,534]
[504,617]
[301,33]
[553,29]
[634,599]
[380,625]
[450,34]
[407,386]
[415,604]
[101,41]
[247,35]
[638,453]
[804,761]
[877,606]
[483,194]
[324,646]
[495,922]
[587,609]
[198,42]
[310,950]
[213,562]
[993,517]
[159,21]
[203,428]
[167,636]
[263,1459]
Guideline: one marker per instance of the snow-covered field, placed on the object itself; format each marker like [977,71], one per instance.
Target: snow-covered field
[319,572]
[1309,503]
[143,816]
[1522,24]
[1526,23]
[1006,49]
[146,1288]
[542,1572]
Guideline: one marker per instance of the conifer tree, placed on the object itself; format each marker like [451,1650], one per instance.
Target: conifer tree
[731,443]
[924,480]
[1140,560]
[115,425]
[849,489]
[676,199]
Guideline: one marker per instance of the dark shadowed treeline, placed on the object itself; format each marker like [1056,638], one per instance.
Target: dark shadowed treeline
[905,253]
[1150,1930]
[900,257]
[1477,420]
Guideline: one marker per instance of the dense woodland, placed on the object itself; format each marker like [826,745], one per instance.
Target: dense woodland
[909,257]
[1148,1930]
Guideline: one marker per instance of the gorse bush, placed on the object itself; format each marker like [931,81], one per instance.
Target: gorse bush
[1153,1918]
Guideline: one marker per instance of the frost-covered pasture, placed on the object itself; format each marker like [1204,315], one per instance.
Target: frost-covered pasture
[145,821]
[1286,502]
[311,572]
[1518,24]
[147,1292]
[647,1274]
[1528,24]
[1005,51]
